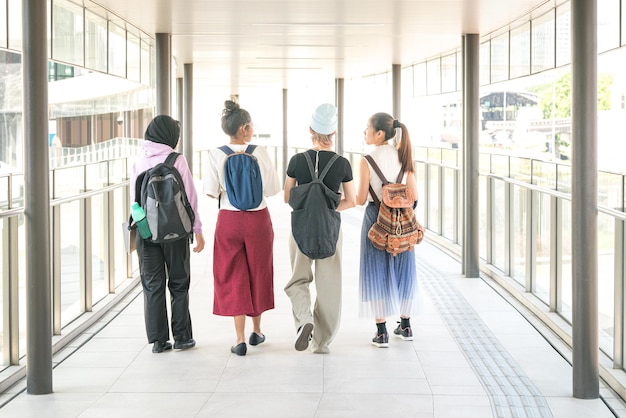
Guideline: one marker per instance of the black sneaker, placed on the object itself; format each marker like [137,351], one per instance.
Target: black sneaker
[184,345]
[159,347]
[304,336]
[381,340]
[403,333]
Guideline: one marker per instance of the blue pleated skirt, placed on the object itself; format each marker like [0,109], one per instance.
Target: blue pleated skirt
[387,284]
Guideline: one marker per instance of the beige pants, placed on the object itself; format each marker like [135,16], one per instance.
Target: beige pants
[327,310]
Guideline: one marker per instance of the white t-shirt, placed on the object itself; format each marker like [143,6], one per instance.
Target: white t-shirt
[386,157]
[214,184]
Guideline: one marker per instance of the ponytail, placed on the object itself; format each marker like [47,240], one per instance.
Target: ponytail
[405,150]
[386,123]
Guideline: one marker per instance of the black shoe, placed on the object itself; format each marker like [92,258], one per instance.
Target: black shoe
[184,345]
[256,339]
[159,347]
[403,333]
[239,349]
[304,336]
[381,340]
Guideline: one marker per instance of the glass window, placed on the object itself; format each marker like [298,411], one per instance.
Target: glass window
[543,248]
[2,293]
[608,25]
[67,32]
[485,48]
[624,24]
[448,209]
[543,42]
[70,259]
[498,225]
[3,23]
[96,42]
[459,72]
[606,279]
[433,76]
[146,62]
[407,82]
[519,237]
[433,209]
[49,30]
[15,24]
[448,73]
[563,35]
[520,51]
[500,58]
[419,79]
[133,57]
[117,50]
[482,217]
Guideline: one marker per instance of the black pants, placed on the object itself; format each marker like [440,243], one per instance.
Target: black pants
[160,264]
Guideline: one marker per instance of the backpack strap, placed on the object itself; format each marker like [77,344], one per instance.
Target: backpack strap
[228,151]
[328,165]
[326,169]
[310,164]
[400,175]
[171,159]
[380,175]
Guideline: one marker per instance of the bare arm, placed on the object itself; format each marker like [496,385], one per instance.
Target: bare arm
[412,183]
[349,197]
[289,184]
[364,183]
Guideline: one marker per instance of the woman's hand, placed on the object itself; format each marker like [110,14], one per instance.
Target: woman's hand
[199,242]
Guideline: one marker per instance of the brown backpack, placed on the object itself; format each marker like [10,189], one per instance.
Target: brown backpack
[396,230]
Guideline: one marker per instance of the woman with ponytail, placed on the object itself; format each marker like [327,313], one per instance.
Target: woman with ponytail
[387,283]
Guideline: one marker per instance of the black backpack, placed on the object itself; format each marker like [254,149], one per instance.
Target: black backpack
[161,193]
[315,221]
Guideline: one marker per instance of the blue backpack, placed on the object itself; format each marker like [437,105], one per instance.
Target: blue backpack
[242,177]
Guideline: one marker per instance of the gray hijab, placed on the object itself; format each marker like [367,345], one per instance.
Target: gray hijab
[164,130]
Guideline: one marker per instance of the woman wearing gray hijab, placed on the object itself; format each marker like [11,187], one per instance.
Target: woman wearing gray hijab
[161,264]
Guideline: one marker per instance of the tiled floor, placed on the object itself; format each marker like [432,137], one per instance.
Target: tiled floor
[473,356]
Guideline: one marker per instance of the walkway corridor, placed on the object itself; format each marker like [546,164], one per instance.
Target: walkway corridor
[473,355]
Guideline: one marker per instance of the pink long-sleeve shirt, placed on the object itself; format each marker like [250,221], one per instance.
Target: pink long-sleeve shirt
[155,153]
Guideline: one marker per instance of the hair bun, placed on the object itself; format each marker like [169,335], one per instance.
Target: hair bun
[230,106]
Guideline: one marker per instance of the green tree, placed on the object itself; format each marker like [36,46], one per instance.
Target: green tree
[556,99]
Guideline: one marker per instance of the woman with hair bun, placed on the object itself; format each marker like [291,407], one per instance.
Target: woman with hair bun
[243,263]
[387,283]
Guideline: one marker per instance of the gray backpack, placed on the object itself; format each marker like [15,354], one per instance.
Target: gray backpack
[161,193]
[315,221]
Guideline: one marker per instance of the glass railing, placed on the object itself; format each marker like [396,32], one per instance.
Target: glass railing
[525,229]
[89,190]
